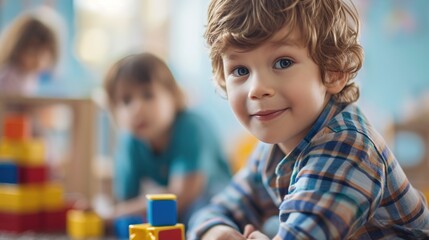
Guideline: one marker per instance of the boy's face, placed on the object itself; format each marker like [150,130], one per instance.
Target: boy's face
[275,90]
[146,110]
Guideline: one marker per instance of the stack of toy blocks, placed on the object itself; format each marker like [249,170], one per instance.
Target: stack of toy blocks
[162,217]
[28,201]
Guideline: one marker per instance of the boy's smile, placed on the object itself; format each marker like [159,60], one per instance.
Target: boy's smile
[276,89]
[266,115]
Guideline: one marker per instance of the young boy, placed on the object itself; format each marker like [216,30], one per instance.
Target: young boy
[287,67]
[163,146]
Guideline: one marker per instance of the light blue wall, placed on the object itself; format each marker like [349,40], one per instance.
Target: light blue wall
[395,36]
[191,65]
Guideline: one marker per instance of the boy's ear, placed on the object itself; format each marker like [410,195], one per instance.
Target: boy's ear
[335,82]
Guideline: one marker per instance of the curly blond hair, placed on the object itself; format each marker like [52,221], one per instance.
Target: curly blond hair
[328,28]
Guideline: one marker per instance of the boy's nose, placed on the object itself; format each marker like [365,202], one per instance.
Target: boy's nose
[260,87]
[139,106]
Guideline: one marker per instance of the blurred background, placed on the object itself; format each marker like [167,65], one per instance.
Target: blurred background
[394,80]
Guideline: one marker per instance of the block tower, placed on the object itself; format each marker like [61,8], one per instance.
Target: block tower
[28,200]
[162,220]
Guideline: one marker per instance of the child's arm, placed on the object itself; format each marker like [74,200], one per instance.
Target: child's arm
[126,178]
[187,189]
[220,232]
[244,201]
[130,207]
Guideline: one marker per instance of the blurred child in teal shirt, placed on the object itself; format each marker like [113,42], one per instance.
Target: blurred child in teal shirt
[160,141]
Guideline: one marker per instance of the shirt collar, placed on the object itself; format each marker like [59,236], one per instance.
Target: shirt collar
[331,109]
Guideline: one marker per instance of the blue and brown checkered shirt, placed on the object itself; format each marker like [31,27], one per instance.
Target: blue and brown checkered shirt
[340,182]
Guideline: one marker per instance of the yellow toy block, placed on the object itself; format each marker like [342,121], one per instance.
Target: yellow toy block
[148,232]
[84,224]
[166,196]
[29,152]
[138,231]
[52,196]
[20,198]
[6,150]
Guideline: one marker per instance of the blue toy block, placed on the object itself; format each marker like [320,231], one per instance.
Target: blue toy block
[162,212]
[9,173]
[122,225]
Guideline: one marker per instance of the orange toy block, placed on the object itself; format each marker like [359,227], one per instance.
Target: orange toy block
[16,127]
[147,232]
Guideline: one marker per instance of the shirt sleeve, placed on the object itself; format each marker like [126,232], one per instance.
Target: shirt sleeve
[244,201]
[336,188]
[126,179]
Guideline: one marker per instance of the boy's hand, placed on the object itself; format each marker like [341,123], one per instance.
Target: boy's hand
[248,229]
[251,233]
[257,235]
[221,232]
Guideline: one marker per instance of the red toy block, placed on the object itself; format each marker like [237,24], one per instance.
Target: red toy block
[54,221]
[16,127]
[33,174]
[19,222]
[171,234]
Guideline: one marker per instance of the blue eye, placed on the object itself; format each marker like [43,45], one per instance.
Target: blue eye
[283,63]
[240,71]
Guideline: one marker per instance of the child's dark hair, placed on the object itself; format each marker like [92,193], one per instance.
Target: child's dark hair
[26,33]
[143,68]
[329,28]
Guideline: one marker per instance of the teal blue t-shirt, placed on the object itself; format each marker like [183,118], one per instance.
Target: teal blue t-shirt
[193,147]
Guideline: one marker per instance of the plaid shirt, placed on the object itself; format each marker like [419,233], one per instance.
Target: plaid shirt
[340,182]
